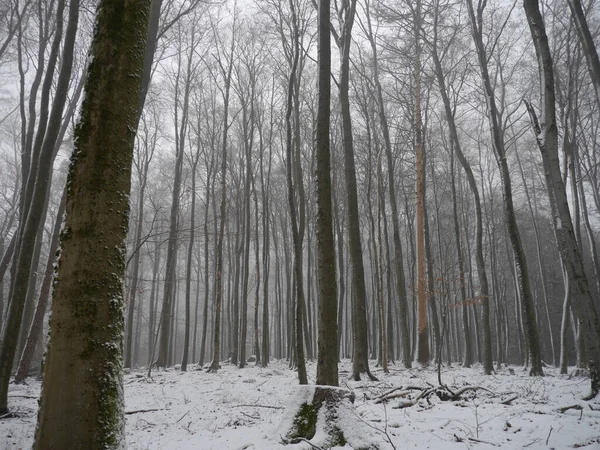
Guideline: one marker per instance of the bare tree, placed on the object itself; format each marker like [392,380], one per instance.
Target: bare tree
[327,370]
[522,274]
[547,139]
[82,391]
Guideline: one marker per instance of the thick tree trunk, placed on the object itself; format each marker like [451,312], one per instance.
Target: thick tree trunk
[82,393]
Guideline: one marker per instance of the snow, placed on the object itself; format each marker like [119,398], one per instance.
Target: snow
[246,409]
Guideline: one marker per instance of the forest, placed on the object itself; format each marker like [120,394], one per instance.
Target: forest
[401,196]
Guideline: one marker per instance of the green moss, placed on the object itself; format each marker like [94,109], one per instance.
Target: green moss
[305,424]
[337,437]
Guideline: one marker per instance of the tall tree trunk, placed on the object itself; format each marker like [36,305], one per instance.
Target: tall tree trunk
[31,221]
[135,269]
[587,43]
[479,258]
[327,357]
[35,332]
[547,139]
[383,337]
[360,361]
[522,273]
[152,338]
[398,254]
[81,404]
[162,360]
[265,188]
[188,275]
[539,256]
[422,334]
[226,72]
[467,349]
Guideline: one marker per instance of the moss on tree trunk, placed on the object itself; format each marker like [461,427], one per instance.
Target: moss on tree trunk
[82,394]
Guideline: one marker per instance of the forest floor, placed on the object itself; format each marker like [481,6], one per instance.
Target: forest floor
[243,409]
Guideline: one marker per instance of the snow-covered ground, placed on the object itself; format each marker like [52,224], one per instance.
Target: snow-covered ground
[242,409]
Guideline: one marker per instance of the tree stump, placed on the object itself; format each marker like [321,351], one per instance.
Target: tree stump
[324,416]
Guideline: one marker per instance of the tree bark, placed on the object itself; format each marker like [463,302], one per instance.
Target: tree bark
[547,139]
[162,360]
[522,273]
[35,331]
[214,365]
[360,361]
[327,370]
[33,217]
[82,392]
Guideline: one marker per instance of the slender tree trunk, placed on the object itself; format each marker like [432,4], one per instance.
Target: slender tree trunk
[188,275]
[547,139]
[522,274]
[422,334]
[162,360]
[32,219]
[360,361]
[383,351]
[214,365]
[135,271]
[327,370]
[539,256]
[35,332]
[587,43]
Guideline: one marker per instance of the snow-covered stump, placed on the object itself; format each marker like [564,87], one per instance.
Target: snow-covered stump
[324,416]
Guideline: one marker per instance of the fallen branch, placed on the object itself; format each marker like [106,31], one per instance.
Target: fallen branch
[564,409]
[479,441]
[138,411]
[470,388]
[508,401]
[310,443]
[388,395]
[258,406]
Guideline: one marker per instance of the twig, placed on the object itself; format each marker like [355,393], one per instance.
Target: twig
[549,433]
[144,411]
[24,396]
[258,406]
[385,430]
[483,442]
[181,418]
[508,401]
[310,443]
